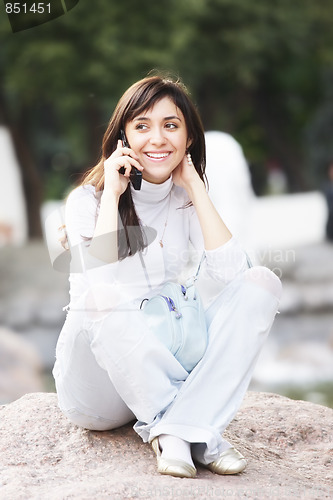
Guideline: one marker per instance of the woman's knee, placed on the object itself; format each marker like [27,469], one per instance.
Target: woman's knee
[264,278]
[90,422]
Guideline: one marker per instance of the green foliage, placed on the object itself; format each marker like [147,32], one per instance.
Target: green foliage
[256,69]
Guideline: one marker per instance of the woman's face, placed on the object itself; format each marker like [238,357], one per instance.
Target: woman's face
[159,137]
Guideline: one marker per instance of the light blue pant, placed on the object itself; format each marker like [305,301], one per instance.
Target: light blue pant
[112,371]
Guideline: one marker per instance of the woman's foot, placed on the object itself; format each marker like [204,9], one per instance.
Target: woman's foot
[175,448]
[229,462]
[173,456]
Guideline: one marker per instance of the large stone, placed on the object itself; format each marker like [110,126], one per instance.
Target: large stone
[288,444]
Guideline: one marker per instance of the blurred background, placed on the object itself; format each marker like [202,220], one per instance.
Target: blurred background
[261,75]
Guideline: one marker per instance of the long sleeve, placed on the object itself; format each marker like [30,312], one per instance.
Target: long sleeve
[80,215]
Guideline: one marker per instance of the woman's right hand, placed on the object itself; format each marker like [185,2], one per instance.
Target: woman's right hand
[114,182]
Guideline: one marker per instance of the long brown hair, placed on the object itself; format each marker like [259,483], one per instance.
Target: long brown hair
[140,97]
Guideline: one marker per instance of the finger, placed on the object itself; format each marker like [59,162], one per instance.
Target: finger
[131,161]
[119,151]
[122,151]
[124,166]
[129,152]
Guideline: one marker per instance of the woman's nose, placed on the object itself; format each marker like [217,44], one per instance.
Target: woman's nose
[157,137]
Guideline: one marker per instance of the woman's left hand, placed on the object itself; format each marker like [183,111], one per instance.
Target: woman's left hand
[185,174]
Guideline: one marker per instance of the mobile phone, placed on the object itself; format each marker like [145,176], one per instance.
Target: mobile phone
[135,175]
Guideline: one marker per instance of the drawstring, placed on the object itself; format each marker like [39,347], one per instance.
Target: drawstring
[190,281]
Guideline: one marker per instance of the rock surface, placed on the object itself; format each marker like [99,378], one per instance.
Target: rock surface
[288,444]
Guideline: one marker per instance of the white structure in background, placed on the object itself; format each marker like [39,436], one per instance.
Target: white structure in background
[13,223]
[263,223]
[229,179]
[288,220]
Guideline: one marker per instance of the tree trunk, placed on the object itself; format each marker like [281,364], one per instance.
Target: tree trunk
[95,131]
[282,147]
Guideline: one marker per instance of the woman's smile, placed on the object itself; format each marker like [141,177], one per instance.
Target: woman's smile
[157,156]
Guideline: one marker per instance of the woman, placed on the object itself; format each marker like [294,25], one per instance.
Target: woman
[110,367]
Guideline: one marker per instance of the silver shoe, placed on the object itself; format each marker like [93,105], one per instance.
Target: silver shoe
[229,462]
[172,467]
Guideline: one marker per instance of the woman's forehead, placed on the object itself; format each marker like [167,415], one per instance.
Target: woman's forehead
[165,107]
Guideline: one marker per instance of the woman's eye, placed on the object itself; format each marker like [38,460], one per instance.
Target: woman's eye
[171,125]
[141,126]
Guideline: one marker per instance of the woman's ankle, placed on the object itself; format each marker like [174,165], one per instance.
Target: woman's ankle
[173,447]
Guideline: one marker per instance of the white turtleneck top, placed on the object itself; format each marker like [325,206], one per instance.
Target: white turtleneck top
[161,207]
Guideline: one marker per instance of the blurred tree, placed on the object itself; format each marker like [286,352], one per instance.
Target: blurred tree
[319,133]
[69,73]
[257,71]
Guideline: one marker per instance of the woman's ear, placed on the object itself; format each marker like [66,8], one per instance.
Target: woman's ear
[188,144]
